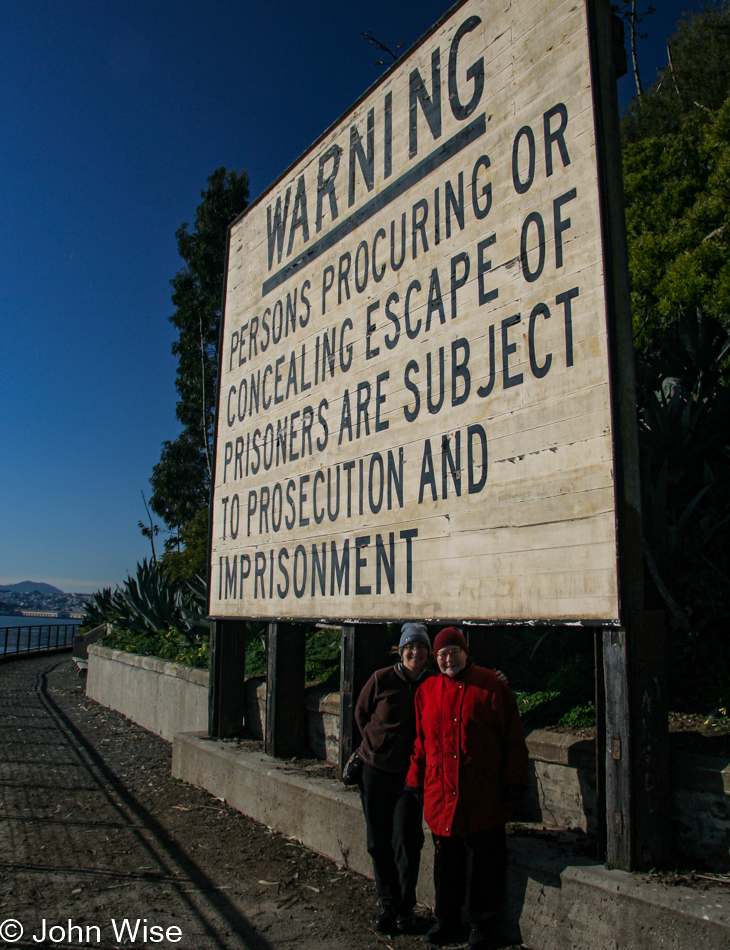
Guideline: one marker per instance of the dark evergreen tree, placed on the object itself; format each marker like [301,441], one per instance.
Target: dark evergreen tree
[684,439]
[676,155]
[181,479]
[696,78]
[676,158]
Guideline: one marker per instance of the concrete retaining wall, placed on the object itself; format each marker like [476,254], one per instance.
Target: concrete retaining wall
[165,698]
[555,900]
[323,723]
[562,781]
[701,808]
[323,717]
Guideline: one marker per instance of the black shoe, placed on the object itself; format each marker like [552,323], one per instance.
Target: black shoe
[481,940]
[444,932]
[477,940]
[405,922]
[385,922]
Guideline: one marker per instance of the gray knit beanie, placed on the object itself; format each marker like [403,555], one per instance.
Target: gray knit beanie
[413,631]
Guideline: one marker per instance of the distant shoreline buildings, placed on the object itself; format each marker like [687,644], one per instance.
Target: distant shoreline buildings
[35,603]
[60,614]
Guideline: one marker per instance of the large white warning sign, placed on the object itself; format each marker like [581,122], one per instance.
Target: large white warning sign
[414,413]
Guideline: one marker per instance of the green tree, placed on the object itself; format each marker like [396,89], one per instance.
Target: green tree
[676,154]
[695,79]
[684,439]
[676,159]
[181,479]
[193,558]
[149,531]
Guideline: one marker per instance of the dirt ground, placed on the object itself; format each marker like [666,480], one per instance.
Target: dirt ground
[94,831]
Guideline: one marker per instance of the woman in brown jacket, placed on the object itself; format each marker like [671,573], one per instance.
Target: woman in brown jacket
[385,715]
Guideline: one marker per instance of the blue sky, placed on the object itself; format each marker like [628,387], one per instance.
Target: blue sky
[112,116]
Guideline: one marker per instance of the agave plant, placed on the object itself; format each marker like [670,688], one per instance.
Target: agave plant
[149,600]
[149,603]
[191,602]
[153,603]
[99,609]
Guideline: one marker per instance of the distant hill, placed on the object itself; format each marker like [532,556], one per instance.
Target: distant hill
[27,587]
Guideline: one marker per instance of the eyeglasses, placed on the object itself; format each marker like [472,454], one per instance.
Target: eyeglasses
[417,645]
[445,654]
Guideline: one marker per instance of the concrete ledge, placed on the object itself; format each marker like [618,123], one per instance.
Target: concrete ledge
[319,812]
[555,899]
[154,663]
[82,641]
[556,905]
[562,748]
[163,697]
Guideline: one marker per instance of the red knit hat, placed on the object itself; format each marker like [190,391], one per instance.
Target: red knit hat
[449,637]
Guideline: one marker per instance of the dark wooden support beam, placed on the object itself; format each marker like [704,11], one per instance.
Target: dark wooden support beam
[624,428]
[226,698]
[650,758]
[285,704]
[363,651]
[619,804]
[638,780]
[600,700]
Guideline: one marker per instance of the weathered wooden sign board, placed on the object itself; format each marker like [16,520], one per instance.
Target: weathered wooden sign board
[414,403]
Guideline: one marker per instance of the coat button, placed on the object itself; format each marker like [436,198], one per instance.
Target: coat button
[454,756]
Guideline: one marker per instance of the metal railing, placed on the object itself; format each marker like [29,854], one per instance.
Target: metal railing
[32,639]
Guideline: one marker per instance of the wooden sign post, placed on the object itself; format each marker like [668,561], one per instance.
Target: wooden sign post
[226,699]
[632,702]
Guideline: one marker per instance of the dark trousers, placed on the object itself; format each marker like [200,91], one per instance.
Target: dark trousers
[394,836]
[469,873]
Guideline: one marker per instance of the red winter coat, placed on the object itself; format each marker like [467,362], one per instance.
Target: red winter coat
[469,746]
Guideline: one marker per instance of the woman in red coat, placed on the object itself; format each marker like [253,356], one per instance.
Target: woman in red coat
[470,760]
